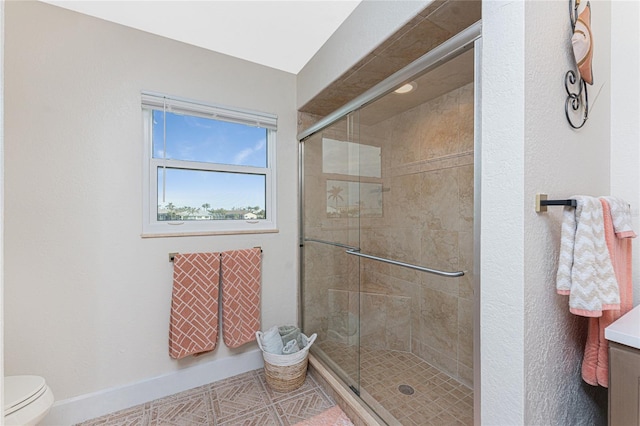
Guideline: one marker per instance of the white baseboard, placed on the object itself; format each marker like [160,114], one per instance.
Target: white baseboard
[96,404]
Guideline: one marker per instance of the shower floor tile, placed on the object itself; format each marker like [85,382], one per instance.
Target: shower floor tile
[438,399]
[240,400]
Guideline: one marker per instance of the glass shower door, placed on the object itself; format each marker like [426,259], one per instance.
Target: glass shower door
[330,277]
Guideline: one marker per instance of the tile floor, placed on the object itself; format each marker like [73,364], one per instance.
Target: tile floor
[437,398]
[240,400]
[246,399]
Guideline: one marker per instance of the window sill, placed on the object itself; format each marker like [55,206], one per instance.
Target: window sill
[210,233]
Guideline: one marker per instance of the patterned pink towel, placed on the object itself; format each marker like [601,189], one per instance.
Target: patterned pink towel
[193,326]
[240,296]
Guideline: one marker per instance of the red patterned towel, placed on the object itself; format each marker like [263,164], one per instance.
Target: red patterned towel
[240,296]
[193,327]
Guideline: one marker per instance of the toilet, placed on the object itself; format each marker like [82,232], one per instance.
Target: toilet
[27,399]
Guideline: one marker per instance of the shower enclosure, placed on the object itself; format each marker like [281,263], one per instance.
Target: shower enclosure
[387,240]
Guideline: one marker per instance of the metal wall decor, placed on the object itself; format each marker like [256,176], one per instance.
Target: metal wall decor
[575,82]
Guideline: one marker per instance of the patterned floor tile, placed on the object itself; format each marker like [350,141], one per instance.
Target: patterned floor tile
[236,398]
[263,417]
[192,409]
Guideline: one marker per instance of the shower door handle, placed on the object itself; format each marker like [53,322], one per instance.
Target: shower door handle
[356,252]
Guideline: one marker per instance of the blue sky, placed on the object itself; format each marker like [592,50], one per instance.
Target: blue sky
[192,138]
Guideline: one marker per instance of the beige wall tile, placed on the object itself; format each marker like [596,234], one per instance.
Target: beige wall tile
[465,195]
[405,203]
[439,322]
[443,362]
[465,332]
[440,192]
[457,15]
[465,375]
[385,322]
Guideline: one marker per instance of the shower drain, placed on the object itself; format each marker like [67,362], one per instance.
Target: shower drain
[406,389]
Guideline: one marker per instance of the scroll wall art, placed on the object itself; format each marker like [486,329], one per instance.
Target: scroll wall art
[577,103]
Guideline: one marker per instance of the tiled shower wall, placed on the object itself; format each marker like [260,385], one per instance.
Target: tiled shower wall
[427,169]
[426,218]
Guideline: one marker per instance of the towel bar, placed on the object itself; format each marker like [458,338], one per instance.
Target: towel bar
[542,203]
[356,252]
[173,255]
[313,240]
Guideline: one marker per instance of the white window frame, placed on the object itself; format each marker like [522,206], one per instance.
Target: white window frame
[151,226]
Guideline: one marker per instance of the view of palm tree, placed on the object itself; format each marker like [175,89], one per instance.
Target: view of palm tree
[334,194]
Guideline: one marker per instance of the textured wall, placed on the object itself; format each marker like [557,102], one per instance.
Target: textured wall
[560,162]
[501,382]
[531,346]
[87,299]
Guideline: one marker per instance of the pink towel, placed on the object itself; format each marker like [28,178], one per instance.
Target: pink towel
[193,326]
[240,296]
[334,416]
[595,364]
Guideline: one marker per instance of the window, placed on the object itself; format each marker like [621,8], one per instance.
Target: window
[207,168]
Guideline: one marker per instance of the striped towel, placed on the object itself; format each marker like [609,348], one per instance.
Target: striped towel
[585,271]
[193,326]
[241,278]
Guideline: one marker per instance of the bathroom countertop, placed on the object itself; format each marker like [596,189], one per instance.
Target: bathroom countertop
[626,329]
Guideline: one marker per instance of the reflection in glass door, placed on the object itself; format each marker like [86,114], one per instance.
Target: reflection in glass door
[330,278]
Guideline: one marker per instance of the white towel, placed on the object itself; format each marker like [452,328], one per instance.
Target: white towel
[585,271]
[567,242]
[271,341]
[291,347]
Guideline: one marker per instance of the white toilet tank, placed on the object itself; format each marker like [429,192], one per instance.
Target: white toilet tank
[27,399]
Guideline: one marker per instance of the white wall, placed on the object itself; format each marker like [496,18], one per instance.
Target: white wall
[502,237]
[561,162]
[372,22]
[531,346]
[87,299]
[2,203]
[625,110]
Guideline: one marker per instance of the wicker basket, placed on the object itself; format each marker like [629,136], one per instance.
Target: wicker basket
[285,373]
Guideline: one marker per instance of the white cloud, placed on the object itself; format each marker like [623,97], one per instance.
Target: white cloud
[245,153]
